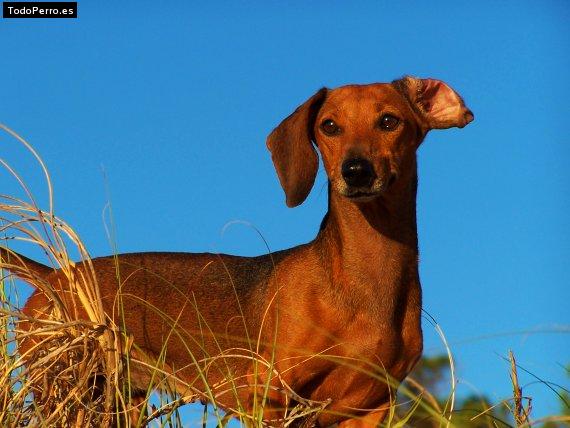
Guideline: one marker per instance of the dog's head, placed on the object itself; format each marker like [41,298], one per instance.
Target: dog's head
[366,135]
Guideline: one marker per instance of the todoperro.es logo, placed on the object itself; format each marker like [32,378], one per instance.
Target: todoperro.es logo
[20,9]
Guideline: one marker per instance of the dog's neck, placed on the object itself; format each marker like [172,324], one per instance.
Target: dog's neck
[371,244]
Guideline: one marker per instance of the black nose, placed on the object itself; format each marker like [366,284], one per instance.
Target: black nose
[357,172]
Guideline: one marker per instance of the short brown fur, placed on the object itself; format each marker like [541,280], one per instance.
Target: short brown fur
[352,294]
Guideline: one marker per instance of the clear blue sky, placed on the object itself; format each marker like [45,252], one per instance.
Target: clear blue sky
[175,101]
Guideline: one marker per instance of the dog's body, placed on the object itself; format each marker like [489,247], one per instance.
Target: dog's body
[337,316]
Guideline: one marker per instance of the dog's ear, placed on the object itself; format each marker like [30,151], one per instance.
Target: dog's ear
[438,105]
[292,151]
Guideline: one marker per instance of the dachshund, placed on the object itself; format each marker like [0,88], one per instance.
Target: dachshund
[336,320]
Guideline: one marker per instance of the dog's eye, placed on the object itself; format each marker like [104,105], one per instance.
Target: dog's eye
[388,122]
[329,127]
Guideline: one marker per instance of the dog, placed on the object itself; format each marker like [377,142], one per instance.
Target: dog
[338,318]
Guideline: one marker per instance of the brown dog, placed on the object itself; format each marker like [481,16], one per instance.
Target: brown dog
[336,316]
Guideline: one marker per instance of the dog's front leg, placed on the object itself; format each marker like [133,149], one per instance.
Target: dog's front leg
[371,420]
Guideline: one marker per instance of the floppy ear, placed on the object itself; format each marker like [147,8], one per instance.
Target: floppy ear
[439,106]
[292,151]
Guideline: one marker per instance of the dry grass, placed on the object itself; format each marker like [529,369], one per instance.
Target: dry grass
[520,412]
[64,367]
[76,371]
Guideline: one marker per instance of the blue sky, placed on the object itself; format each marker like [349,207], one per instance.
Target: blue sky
[174,102]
